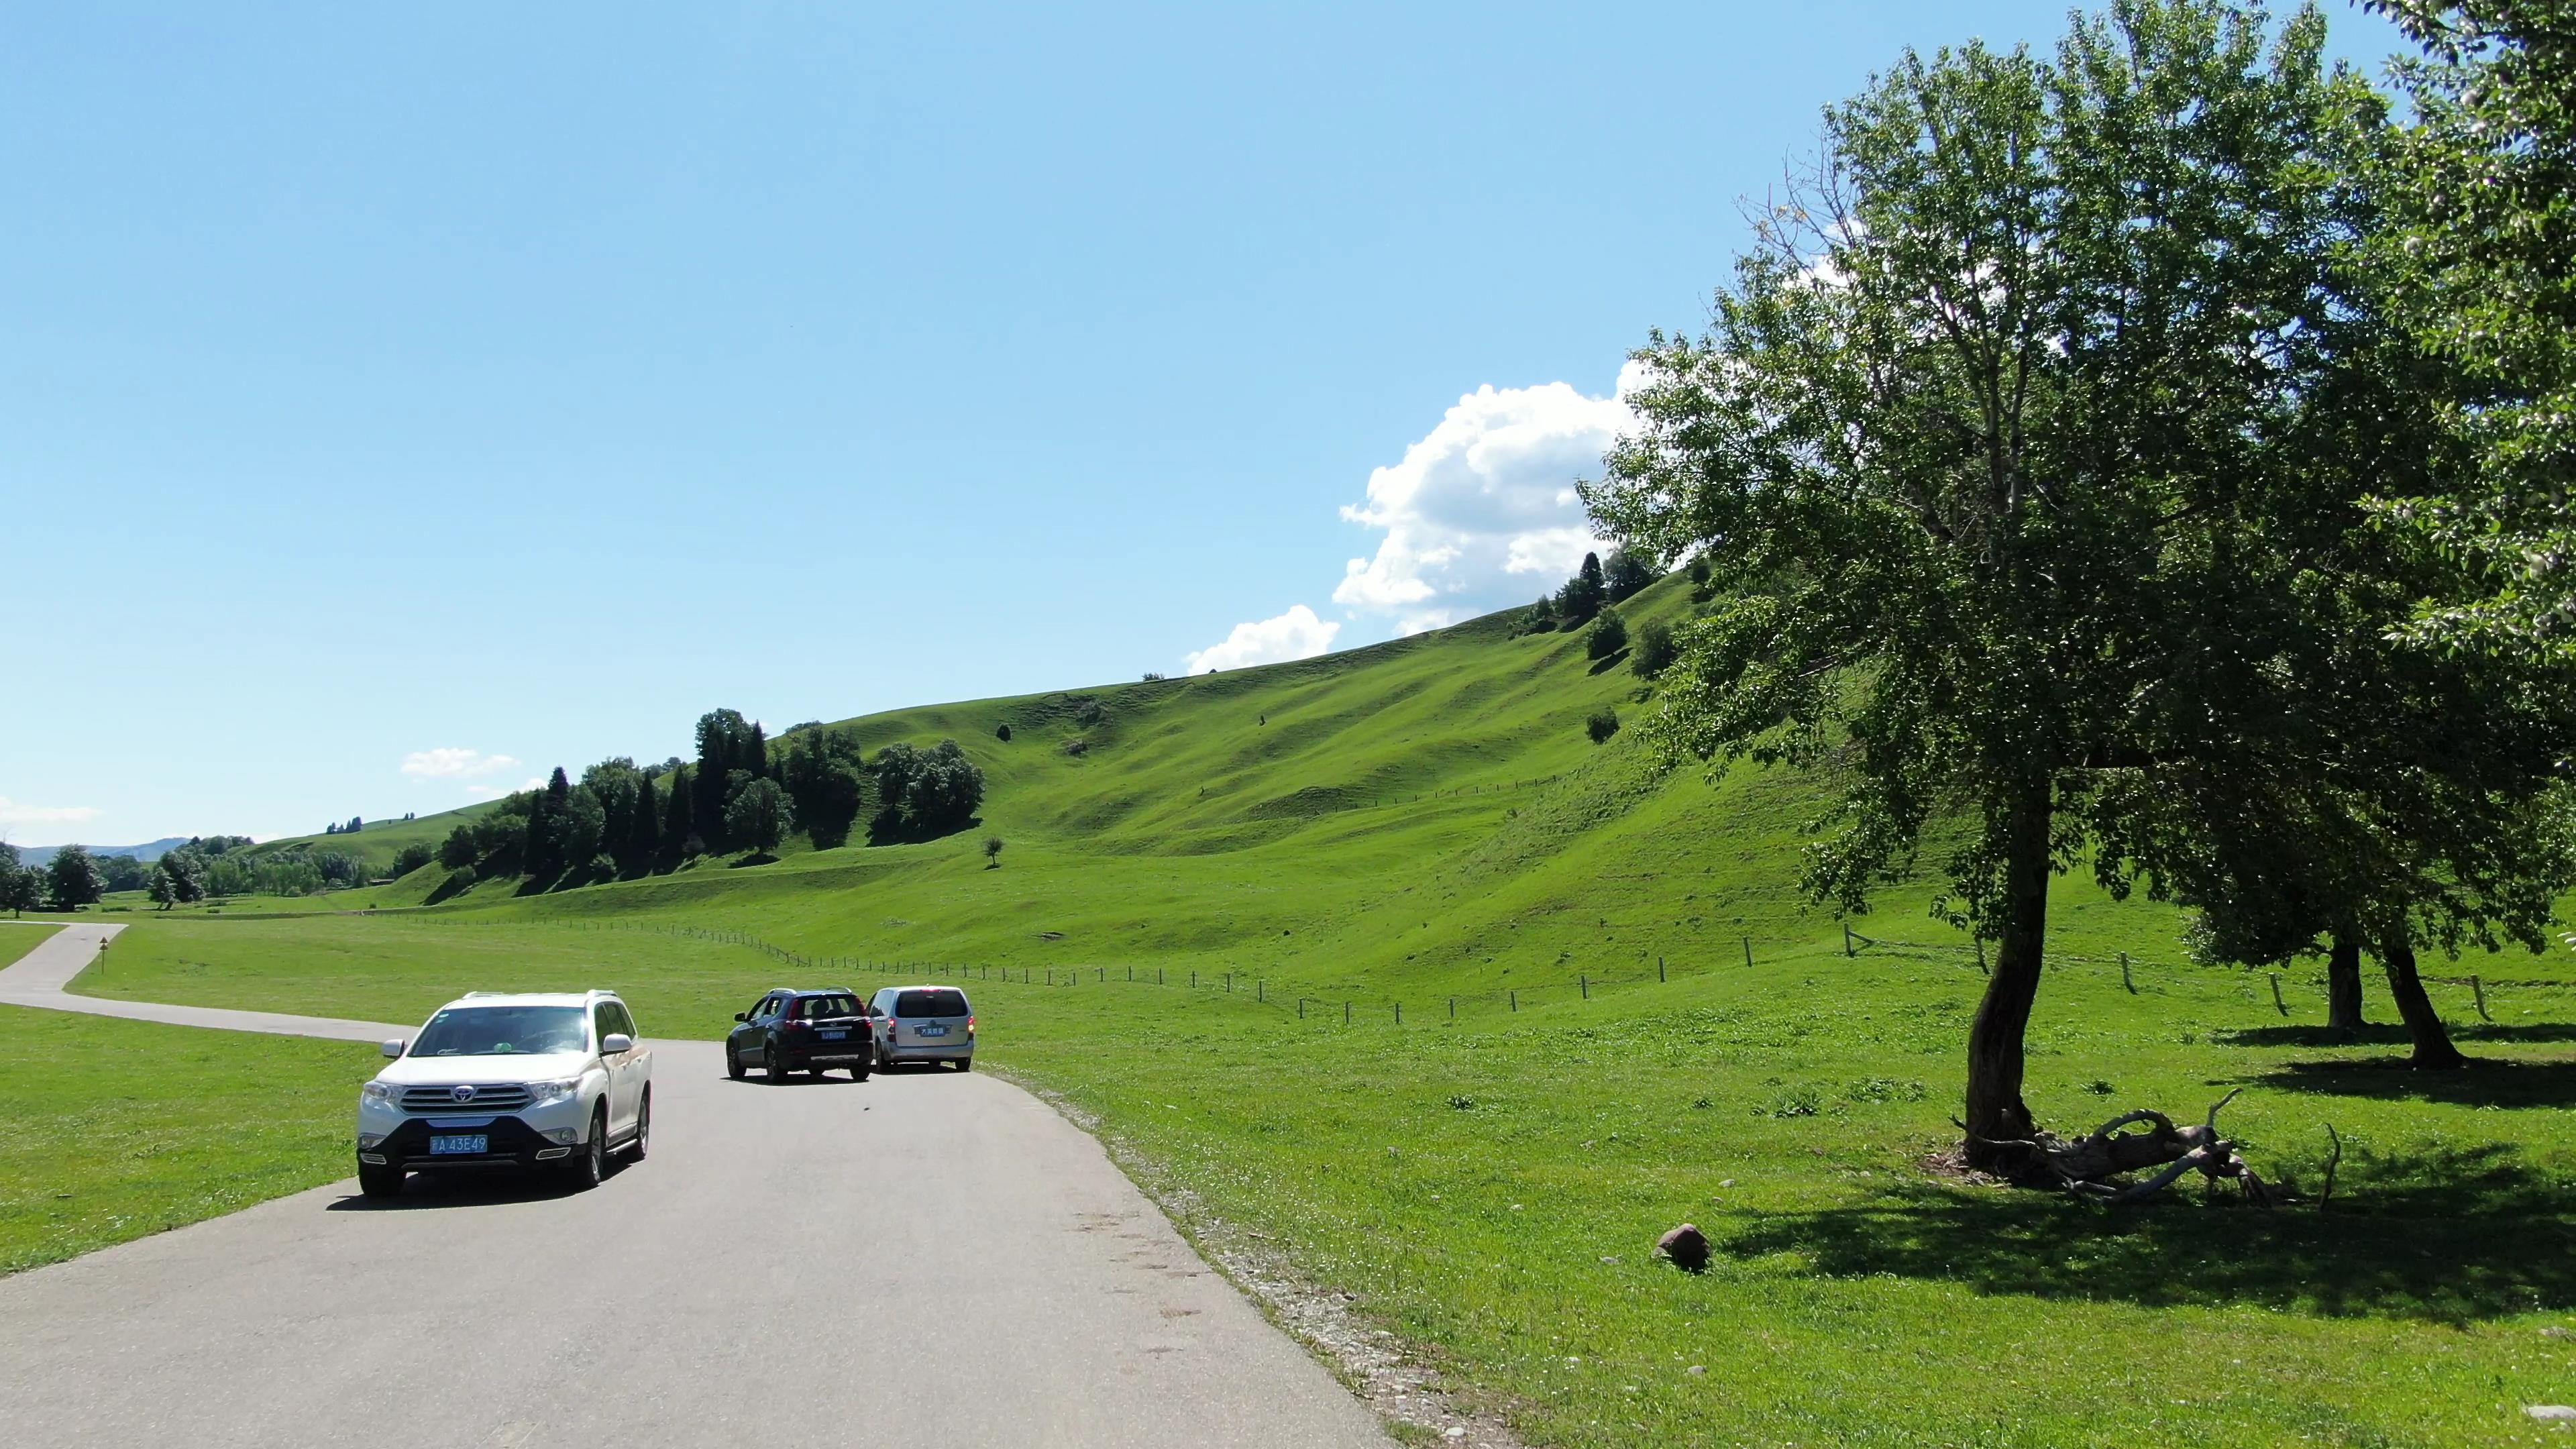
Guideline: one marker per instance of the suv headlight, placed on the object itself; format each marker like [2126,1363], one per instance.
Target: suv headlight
[379,1094]
[546,1094]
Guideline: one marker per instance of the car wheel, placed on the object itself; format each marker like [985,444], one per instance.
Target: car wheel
[965,1064]
[774,1062]
[643,1143]
[859,1071]
[589,1163]
[380,1181]
[733,1062]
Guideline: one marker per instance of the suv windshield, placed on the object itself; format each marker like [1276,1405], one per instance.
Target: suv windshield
[502,1031]
[813,1007]
[930,1003]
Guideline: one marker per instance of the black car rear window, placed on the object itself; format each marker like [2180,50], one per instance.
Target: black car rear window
[930,1003]
[814,1007]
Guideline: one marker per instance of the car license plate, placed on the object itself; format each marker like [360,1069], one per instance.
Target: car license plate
[930,1031]
[462,1144]
[836,1036]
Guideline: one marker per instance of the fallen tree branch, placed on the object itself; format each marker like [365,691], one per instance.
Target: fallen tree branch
[2091,1165]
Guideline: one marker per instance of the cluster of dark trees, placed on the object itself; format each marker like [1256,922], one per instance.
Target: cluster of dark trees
[740,795]
[2158,455]
[354,825]
[1594,588]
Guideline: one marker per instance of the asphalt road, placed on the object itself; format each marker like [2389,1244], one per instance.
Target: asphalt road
[924,1258]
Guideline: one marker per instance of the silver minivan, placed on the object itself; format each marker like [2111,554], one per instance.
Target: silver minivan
[924,1024]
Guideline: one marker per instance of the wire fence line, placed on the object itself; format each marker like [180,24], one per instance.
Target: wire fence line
[1429,1009]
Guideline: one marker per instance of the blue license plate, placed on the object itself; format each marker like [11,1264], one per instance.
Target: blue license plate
[930,1031]
[462,1144]
[836,1036]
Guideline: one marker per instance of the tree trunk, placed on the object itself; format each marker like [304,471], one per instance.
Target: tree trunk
[2433,1047]
[1996,1113]
[2343,984]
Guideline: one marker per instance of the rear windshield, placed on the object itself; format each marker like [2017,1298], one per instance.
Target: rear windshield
[930,1003]
[814,1007]
[502,1031]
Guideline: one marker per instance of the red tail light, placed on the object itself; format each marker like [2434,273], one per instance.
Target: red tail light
[970,1024]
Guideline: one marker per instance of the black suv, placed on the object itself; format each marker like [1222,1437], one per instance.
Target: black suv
[810,1031]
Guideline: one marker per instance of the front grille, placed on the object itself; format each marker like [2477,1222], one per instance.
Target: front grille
[488,1097]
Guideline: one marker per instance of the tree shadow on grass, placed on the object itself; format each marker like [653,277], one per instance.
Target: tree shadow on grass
[2450,1235]
[2379,1035]
[2487,1082]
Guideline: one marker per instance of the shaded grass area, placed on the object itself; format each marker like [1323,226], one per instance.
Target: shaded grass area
[1490,1189]
[113,1130]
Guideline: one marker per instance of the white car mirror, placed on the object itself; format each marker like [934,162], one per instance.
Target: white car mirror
[615,1042]
[394,1048]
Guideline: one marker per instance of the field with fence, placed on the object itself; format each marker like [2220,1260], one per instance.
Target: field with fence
[1376,969]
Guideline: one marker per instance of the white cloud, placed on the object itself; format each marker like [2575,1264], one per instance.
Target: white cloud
[13,813]
[1482,512]
[1297,634]
[449,763]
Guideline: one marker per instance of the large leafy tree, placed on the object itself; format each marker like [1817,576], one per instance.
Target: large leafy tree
[2490,235]
[73,878]
[759,815]
[1978,439]
[825,773]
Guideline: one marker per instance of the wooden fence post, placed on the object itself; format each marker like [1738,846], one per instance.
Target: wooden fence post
[1748,952]
[2124,974]
[2476,985]
[1585,982]
[2276,993]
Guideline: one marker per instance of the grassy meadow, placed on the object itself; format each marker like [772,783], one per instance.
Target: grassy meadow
[1396,827]
[111,1130]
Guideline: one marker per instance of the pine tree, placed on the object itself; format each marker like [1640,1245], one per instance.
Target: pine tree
[679,814]
[644,826]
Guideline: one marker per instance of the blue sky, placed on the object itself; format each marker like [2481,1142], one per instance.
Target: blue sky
[399,401]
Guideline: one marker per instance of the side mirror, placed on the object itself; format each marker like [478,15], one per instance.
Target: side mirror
[615,1042]
[742,1016]
[394,1048]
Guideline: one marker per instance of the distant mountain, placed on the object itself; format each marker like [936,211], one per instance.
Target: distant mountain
[150,851]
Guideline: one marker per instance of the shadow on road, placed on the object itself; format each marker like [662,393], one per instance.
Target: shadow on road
[424,1190]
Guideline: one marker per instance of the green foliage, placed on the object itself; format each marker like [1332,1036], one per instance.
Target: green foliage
[1655,650]
[825,773]
[759,815]
[1625,574]
[1541,617]
[1002,732]
[2487,244]
[72,878]
[1607,636]
[411,857]
[728,745]
[993,850]
[1582,596]
[924,794]
[1601,724]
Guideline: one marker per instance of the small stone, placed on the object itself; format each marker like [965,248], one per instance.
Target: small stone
[1697,1368]
[1730,1182]
[2551,1413]
[1453,1432]
[1516,1207]
[1686,1247]
[2552,1331]
[1609,1257]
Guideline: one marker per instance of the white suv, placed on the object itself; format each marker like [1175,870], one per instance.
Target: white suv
[498,1080]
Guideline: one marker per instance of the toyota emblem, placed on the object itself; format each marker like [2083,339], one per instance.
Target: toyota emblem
[461,1094]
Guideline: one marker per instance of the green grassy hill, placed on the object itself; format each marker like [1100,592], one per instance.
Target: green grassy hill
[377,842]
[1382,831]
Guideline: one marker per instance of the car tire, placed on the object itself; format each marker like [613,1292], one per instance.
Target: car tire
[774,1062]
[859,1071]
[376,1181]
[589,1162]
[733,1062]
[965,1064]
[643,1143]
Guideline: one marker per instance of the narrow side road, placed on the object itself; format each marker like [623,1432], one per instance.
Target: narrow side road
[922,1258]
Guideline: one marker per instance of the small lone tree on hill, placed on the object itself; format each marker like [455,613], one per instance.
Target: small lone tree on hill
[992,852]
